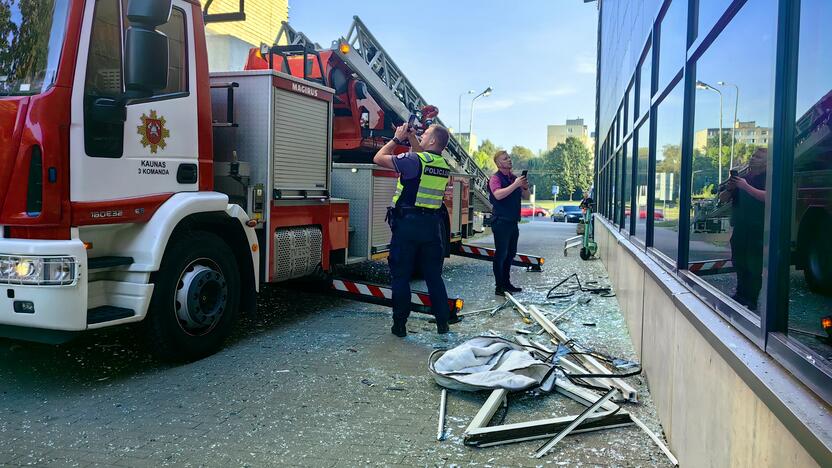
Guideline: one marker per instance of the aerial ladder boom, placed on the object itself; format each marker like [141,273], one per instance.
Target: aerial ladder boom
[373,65]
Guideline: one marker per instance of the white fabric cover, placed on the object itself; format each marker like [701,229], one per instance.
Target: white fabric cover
[487,362]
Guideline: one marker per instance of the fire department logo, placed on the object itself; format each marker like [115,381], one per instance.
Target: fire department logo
[153,132]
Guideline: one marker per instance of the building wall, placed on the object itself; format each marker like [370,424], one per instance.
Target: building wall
[229,43]
[710,415]
[557,134]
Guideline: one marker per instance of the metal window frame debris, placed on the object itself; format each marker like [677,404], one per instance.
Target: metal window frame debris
[570,366]
[443,402]
[627,391]
[492,404]
[574,424]
[543,429]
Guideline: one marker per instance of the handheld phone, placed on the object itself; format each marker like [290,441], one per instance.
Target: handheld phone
[411,121]
[525,172]
[734,173]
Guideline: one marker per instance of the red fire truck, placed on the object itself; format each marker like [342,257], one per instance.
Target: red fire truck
[134,187]
[812,220]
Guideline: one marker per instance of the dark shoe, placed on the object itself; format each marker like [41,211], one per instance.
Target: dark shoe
[454,319]
[499,292]
[513,289]
[399,330]
[442,329]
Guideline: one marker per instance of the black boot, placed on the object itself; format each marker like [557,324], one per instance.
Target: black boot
[442,328]
[499,291]
[399,330]
[512,288]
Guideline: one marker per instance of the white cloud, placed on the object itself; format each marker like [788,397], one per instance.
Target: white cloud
[488,104]
[585,65]
[494,104]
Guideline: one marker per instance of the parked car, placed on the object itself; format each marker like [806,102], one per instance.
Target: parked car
[526,212]
[567,214]
[642,214]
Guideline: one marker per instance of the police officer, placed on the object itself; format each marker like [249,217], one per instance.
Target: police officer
[415,220]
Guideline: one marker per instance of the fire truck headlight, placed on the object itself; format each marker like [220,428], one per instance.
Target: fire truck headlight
[38,271]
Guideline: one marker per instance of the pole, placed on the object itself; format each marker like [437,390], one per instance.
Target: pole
[471,119]
[719,153]
[459,128]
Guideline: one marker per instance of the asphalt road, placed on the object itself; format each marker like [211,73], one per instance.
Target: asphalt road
[311,380]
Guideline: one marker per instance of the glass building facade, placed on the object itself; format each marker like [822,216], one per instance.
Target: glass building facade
[714,157]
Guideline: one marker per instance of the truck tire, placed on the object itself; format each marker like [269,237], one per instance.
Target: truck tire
[195,298]
[818,268]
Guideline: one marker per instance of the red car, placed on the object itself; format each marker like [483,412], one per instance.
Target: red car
[526,212]
[642,214]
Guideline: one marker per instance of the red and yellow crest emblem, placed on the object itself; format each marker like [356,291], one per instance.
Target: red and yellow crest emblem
[153,131]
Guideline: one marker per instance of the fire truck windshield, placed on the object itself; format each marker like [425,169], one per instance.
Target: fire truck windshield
[31,38]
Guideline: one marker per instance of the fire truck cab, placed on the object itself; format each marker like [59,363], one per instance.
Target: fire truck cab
[107,174]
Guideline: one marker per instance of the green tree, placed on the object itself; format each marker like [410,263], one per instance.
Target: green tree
[570,163]
[521,157]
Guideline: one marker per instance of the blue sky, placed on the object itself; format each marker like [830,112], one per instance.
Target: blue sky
[538,55]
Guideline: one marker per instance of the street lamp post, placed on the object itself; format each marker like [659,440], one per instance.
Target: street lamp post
[734,124]
[485,93]
[470,91]
[703,85]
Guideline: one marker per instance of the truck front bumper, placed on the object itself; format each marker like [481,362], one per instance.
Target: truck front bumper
[43,312]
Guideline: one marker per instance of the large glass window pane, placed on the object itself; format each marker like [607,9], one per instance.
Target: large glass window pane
[640,203]
[709,13]
[627,183]
[727,214]
[673,41]
[625,121]
[668,172]
[810,297]
[632,103]
[645,91]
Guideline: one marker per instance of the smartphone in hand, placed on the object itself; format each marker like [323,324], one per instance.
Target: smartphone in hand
[525,173]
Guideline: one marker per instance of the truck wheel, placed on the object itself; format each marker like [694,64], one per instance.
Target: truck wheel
[818,269]
[195,298]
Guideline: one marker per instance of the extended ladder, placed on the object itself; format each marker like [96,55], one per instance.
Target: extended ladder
[368,59]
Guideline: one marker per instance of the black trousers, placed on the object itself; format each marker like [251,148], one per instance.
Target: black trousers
[417,241]
[747,255]
[506,234]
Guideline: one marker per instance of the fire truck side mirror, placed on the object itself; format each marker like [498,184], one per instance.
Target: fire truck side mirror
[146,50]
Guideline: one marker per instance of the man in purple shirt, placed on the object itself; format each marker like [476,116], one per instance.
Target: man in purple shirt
[507,191]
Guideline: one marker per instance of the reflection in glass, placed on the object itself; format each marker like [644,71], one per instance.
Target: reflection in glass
[645,92]
[616,189]
[631,99]
[640,202]
[627,183]
[31,36]
[732,131]
[673,41]
[668,172]
[810,294]
[709,13]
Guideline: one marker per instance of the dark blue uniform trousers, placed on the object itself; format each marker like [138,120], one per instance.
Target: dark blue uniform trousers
[417,241]
[506,233]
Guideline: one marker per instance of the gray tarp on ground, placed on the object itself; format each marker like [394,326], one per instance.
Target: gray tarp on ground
[487,363]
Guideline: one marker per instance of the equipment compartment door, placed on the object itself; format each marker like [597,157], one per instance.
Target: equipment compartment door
[301,148]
